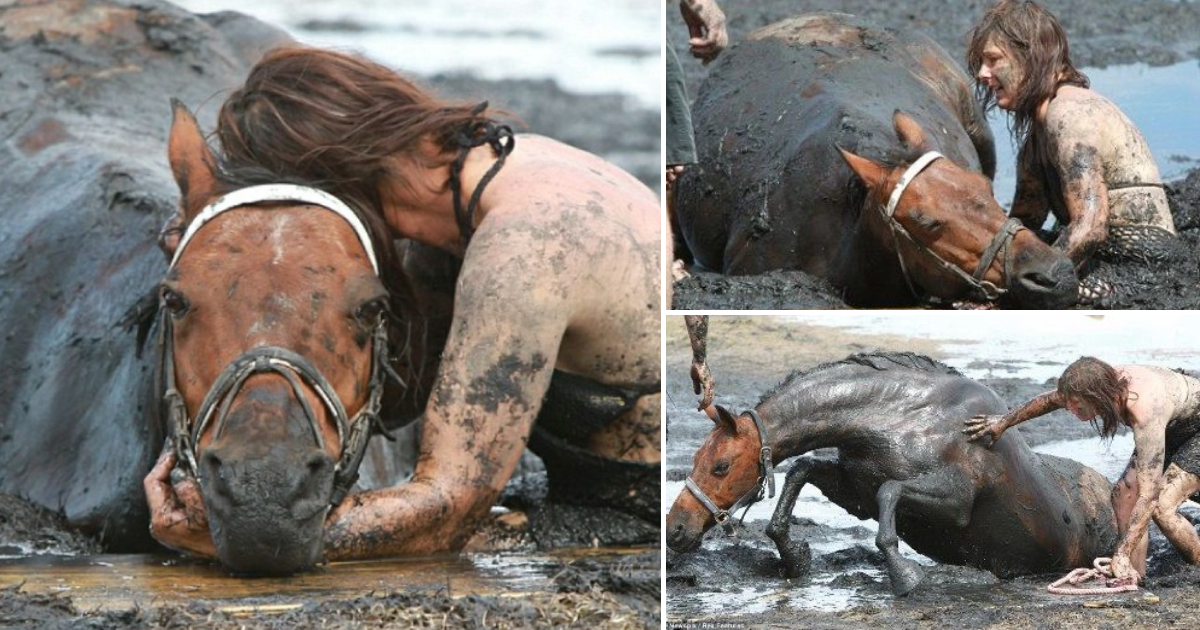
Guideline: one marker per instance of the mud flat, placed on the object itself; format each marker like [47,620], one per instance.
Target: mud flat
[739,581]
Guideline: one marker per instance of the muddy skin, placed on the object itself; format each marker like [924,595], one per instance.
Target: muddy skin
[762,352]
[799,146]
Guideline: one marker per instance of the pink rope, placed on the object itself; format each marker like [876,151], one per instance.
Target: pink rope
[1102,570]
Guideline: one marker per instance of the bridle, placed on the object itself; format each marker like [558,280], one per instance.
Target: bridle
[764,486]
[353,433]
[999,245]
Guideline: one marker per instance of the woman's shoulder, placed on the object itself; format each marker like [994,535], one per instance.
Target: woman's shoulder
[1075,109]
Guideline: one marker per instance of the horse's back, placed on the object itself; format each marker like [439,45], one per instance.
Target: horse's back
[86,186]
[771,190]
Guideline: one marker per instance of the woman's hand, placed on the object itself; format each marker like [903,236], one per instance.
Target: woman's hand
[983,425]
[1123,571]
[177,519]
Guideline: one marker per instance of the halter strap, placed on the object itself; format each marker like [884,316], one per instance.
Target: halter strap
[477,134]
[909,175]
[999,245]
[278,192]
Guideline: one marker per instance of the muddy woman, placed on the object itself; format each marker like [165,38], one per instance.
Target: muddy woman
[1080,157]
[1162,408]
[555,290]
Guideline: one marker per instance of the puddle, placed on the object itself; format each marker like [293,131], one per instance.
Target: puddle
[125,582]
[1156,99]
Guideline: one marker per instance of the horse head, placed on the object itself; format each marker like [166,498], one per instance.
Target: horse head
[273,319]
[951,236]
[726,470]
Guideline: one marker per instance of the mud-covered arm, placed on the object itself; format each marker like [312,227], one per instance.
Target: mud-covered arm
[510,313]
[1030,204]
[1150,451]
[702,382]
[995,426]
[1074,142]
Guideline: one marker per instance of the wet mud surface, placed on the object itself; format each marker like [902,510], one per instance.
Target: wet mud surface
[613,588]
[1156,32]
[740,580]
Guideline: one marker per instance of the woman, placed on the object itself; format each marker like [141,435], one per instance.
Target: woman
[1162,408]
[560,277]
[1080,157]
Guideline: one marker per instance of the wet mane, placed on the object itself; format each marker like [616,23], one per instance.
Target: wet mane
[881,361]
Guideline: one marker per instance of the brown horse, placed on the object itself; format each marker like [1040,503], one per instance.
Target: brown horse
[903,461]
[275,350]
[812,137]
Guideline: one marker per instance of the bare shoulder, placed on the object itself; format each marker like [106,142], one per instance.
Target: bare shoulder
[1151,390]
[1082,115]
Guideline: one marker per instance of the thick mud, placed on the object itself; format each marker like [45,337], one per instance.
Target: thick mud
[1156,32]
[740,580]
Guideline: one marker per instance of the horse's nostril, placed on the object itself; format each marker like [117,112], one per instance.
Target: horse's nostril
[317,463]
[1038,281]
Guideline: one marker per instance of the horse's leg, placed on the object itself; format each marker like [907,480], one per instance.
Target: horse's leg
[797,559]
[945,494]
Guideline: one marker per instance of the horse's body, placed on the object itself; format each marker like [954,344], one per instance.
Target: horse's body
[771,190]
[896,421]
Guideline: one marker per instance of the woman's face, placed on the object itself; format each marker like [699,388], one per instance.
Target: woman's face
[1000,72]
[1082,409]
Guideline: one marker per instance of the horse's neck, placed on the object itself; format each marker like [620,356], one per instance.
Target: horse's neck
[805,420]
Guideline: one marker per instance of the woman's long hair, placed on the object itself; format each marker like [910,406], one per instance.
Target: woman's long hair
[1037,43]
[333,119]
[1097,383]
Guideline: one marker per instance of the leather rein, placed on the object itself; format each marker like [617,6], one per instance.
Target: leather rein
[998,247]
[765,486]
[353,433]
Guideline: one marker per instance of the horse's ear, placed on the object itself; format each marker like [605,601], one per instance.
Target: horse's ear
[192,162]
[871,173]
[909,131]
[727,419]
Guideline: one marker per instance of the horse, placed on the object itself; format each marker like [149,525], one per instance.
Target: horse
[84,191]
[895,419]
[858,155]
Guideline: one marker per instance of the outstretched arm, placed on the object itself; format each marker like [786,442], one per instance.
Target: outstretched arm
[995,426]
[510,314]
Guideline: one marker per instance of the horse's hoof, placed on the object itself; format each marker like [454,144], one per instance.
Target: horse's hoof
[906,575]
[797,562]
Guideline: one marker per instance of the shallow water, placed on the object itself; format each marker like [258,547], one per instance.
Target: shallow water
[121,582]
[1159,100]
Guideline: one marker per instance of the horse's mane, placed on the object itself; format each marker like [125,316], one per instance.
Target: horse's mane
[881,361]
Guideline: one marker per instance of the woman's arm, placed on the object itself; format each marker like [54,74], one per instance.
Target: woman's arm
[995,426]
[1075,146]
[510,313]
[697,327]
[1150,451]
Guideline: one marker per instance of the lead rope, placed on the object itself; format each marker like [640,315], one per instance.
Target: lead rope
[477,134]
[1102,570]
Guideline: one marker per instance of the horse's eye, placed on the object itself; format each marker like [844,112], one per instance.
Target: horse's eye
[174,302]
[721,469]
[369,313]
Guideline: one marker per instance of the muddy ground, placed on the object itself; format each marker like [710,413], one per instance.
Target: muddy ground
[1102,33]
[748,355]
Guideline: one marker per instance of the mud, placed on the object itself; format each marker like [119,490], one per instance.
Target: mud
[28,529]
[583,589]
[740,580]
